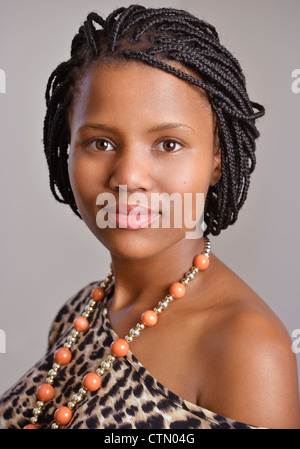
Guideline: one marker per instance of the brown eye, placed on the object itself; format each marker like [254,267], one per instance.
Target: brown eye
[169,146]
[101,145]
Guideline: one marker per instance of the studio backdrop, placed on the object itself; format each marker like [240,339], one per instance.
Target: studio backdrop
[47,253]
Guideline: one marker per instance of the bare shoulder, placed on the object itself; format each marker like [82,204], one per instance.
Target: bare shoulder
[251,371]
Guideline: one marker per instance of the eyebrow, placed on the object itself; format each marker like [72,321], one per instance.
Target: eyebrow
[160,127]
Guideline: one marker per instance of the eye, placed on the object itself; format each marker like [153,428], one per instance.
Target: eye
[169,146]
[100,144]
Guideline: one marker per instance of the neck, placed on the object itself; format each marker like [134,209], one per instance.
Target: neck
[144,281]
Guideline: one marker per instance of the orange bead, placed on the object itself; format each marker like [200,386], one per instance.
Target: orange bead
[119,347]
[81,324]
[92,381]
[30,426]
[63,356]
[149,318]
[63,415]
[201,261]
[98,293]
[177,290]
[45,392]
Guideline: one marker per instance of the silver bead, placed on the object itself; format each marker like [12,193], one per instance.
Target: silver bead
[163,304]
[100,371]
[134,332]
[39,405]
[195,270]
[111,358]
[92,303]
[71,404]
[77,398]
[54,426]
[50,380]
[185,281]
[128,338]
[55,366]
[189,275]
[86,314]
[169,298]
[157,309]
[34,419]
[37,411]
[71,339]
[106,365]
[74,333]
[83,391]
[52,373]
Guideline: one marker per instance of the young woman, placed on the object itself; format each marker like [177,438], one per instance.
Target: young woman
[151,103]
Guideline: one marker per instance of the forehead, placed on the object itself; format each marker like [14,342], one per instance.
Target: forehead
[119,89]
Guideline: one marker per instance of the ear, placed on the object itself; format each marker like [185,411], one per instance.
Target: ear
[216,167]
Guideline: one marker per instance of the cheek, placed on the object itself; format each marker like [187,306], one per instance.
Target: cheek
[84,180]
[191,176]
[191,182]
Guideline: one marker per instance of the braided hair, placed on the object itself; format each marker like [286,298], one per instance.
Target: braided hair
[157,36]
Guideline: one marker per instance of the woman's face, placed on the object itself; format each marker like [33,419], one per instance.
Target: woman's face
[146,130]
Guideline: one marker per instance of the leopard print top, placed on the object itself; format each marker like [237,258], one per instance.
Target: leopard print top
[129,397]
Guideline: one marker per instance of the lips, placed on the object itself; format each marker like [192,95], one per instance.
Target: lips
[131,216]
[133,209]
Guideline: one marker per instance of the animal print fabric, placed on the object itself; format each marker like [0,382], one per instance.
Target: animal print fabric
[129,397]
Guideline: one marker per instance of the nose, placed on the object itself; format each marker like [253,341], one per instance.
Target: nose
[133,169]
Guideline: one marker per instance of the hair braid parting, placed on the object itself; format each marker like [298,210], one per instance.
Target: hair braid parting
[157,37]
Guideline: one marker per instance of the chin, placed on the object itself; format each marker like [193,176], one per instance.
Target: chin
[135,244]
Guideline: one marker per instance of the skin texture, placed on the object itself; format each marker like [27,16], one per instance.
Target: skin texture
[220,346]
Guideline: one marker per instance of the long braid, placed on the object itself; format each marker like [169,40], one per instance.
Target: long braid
[157,37]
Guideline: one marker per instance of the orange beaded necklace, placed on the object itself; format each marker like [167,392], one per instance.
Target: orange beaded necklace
[119,347]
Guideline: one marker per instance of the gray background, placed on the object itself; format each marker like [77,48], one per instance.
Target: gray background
[47,254]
